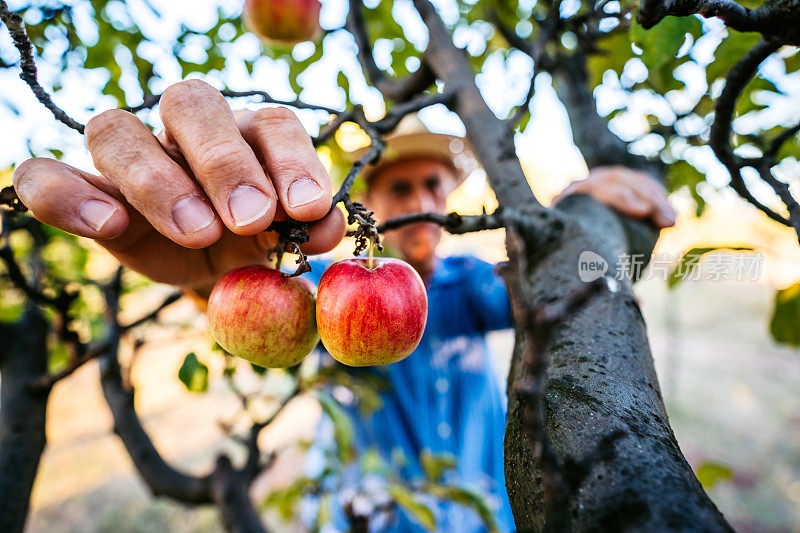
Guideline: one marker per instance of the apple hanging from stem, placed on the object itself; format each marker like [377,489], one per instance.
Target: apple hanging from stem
[259,315]
[288,21]
[371,314]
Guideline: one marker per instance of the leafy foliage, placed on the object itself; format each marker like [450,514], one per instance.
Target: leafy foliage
[416,509]
[193,374]
[710,473]
[785,322]
[691,259]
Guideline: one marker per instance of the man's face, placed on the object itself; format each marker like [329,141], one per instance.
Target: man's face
[409,187]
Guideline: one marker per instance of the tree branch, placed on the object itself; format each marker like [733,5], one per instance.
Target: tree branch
[23,357]
[162,479]
[620,465]
[548,29]
[722,128]
[225,486]
[598,145]
[779,19]
[48,380]
[490,138]
[17,29]
[453,222]
[398,90]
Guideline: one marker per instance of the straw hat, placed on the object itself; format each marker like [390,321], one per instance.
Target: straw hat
[412,140]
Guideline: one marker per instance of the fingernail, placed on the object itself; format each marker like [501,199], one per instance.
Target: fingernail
[192,214]
[95,213]
[247,204]
[303,191]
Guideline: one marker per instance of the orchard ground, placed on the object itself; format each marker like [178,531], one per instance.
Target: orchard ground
[730,391]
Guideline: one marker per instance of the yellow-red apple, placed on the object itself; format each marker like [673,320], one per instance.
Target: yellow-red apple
[258,315]
[290,21]
[371,316]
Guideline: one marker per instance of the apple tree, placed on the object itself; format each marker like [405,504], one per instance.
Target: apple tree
[588,444]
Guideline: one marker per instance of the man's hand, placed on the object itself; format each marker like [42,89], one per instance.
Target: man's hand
[189,204]
[631,192]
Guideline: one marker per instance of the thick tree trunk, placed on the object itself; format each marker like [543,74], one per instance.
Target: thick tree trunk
[23,358]
[601,381]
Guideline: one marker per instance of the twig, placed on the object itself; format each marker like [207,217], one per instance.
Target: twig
[17,29]
[453,222]
[169,300]
[721,129]
[47,381]
[399,90]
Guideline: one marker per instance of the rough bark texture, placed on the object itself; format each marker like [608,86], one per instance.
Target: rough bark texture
[601,380]
[23,358]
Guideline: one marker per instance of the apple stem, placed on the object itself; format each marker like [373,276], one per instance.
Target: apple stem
[371,260]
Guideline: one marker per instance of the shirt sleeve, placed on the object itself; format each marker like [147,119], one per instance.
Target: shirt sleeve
[488,297]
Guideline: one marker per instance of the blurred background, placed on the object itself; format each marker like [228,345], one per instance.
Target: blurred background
[731,391]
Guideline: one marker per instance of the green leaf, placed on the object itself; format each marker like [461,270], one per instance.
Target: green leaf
[660,46]
[729,51]
[468,498]
[343,81]
[193,374]
[416,510]
[617,51]
[372,462]
[342,427]
[260,370]
[709,473]
[57,355]
[785,322]
[435,465]
[285,499]
[692,258]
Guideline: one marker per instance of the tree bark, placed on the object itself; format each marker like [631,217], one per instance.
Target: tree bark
[601,380]
[23,358]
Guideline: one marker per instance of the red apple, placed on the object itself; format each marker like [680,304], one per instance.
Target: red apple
[371,316]
[290,21]
[258,315]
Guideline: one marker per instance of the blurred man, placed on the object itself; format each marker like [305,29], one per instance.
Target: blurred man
[187,205]
[444,397]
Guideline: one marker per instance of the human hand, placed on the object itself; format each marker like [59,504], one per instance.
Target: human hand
[631,192]
[191,203]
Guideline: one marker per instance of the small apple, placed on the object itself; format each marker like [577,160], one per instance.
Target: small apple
[290,21]
[258,315]
[371,316]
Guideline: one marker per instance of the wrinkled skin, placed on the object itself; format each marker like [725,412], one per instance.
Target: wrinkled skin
[185,206]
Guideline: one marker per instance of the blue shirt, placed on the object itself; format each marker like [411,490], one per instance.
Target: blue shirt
[444,397]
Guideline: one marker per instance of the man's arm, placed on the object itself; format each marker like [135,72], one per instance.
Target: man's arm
[631,192]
